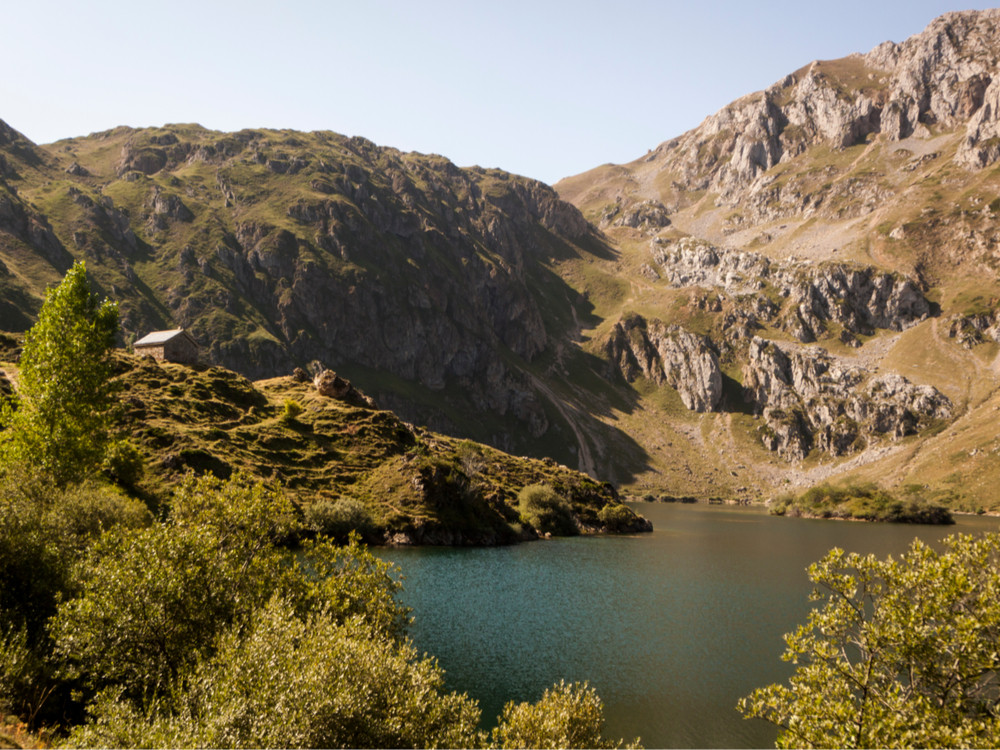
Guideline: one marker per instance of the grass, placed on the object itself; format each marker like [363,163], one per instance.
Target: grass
[861,502]
[410,480]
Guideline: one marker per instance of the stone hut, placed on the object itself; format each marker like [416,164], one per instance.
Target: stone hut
[176,345]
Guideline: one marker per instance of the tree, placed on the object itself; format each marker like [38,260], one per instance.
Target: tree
[567,715]
[902,653]
[60,425]
[153,601]
[287,681]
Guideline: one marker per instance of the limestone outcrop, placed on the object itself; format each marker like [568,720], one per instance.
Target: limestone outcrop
[804,296]
[667,354]
[810,400]
[330,384]
[942,79]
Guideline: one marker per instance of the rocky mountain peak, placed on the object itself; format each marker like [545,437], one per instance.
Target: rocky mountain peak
[941,78]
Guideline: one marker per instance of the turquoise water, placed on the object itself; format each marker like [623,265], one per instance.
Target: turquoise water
[672,628]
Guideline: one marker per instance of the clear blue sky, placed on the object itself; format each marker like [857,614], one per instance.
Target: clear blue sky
[544,89]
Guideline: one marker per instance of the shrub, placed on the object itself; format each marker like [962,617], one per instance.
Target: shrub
[338,518]
[546,511]
[616,517]
[291,411]
[863,501]
[87,510]
[568,715]
[124,463]
[289,681]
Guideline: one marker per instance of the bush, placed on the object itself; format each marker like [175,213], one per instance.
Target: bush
[124,463]
[547,512]
[865,501]
[289,681]
[87,510]
[617,518]
[291,411]
[338,518]
[568,715]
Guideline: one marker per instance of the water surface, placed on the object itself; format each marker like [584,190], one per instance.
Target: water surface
[672,628]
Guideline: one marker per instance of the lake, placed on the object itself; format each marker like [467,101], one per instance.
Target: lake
[671,628]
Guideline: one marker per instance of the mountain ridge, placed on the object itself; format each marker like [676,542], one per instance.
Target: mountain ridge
[846,214]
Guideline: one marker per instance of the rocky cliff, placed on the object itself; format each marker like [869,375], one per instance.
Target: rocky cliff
[809,400]
[667,354]
[803,296]
[275,249]
[941,78]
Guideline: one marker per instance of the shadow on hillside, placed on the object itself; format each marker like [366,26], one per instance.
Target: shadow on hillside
[733,399]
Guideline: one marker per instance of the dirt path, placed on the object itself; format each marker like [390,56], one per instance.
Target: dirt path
[584,455]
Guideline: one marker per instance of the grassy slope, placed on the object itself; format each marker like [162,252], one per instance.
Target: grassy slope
[946,215]
[429,486]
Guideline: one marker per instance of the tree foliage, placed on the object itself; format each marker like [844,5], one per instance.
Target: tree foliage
[567,715]
[547,511]
[284,680]
[154,601]
[60,423]
[901,653]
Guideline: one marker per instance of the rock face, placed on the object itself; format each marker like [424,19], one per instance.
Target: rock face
[290,247]
[667,354]
[809,400]
[806,295]
[648,215]
[330,384]
[970,330]
[943,79]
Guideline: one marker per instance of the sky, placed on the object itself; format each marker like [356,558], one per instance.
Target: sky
[546,89]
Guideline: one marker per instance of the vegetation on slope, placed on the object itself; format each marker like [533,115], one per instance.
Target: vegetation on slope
[225,620]
[860,502]
[409,484]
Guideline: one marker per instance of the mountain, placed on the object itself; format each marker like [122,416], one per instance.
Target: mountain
[431,284]
[802,288]
[835,237]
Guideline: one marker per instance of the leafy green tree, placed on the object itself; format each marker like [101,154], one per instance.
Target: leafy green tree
[154,601]
[288,681]
[901,653]
[61,420]
[567,715]
[547,511]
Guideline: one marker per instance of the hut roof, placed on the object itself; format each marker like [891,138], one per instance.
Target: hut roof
[158,338]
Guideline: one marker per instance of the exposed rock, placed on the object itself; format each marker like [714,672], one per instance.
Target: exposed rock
[146,160]
[649,215]
[981,145]
[809,400]
[971,330]
[330,384]
[667,354]
[944,77]
[859,298]
[169,205]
